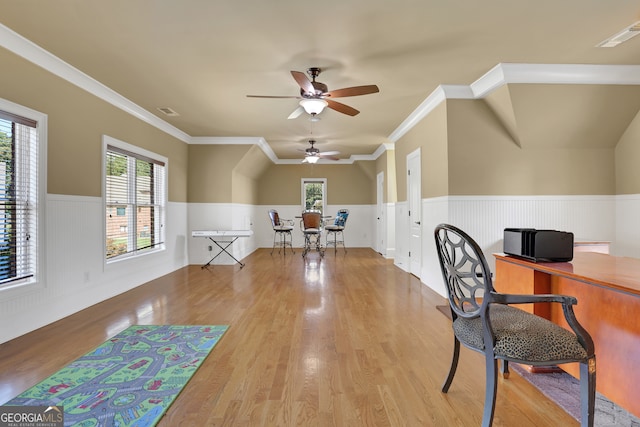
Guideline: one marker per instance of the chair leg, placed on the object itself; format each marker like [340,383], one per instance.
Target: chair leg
[454,365]
[335,242]
[327,242]
[319,244]
[490,390]
[306,245]
[504,368]
[343,245]
[275,234]
[290,243]
[283,242]
[587,392]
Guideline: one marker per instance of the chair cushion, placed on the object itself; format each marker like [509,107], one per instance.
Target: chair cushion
[283,228]
[521,336]
[341,219]
[333,228]
[311,231]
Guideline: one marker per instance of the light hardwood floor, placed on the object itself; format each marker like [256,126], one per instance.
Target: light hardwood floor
[347,340]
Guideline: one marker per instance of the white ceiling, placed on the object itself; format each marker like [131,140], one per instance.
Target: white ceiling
[202,57]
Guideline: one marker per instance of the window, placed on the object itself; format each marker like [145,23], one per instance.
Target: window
[313,194]
[19,194]
[135,199]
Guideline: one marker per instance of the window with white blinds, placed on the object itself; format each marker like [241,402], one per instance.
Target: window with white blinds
[18,199]
[135,199]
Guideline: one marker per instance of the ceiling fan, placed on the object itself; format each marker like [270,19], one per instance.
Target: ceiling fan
[312,154]
[315,96]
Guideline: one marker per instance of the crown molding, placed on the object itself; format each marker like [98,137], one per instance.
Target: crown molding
[351,160]
[319,162]
[501,74]
[381,149]
[580,74]
[507,73]
[225,140]
[30,51]
[236,140]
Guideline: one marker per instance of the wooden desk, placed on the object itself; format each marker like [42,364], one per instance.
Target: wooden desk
[608,293]
[583,245]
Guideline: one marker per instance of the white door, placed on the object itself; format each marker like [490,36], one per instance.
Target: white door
[414,196]
[381,221]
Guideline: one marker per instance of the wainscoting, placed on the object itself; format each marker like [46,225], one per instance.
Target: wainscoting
[75,275]
[485,218]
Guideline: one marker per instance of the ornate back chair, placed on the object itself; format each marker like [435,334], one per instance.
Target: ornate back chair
[336,228]
[311,225]
[483,322]
[282,229]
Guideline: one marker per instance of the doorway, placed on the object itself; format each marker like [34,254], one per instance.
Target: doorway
[381,221]
[414,200]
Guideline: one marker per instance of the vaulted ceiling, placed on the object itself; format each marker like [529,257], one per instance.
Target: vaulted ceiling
[201,58]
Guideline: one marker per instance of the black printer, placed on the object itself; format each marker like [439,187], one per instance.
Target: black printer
[539,245]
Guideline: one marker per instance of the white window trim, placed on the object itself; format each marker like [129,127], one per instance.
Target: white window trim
[324,192]
[38,280]
[110,141]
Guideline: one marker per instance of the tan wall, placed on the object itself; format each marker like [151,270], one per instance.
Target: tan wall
[246,175]
[346,184]
[484,160]
[369,170]
[572,116]
[627,158]
[383,166]
[76,122]
[387,163]
[430,135]
[465,151]
[211,172]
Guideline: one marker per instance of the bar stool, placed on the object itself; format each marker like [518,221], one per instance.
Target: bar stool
[282,228]
[337,228]
[311,225]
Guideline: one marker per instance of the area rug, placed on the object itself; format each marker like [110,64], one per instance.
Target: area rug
[564,389]
[130,380]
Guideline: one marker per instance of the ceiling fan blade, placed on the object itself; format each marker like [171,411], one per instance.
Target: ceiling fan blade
[303,82]
[329,153]
[324,156]
[342,108]
[353,91]
[271,96]
[296,113]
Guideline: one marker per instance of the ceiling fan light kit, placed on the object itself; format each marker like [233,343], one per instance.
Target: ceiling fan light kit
[312,154]
[315,96]
[311,159]
[313,106]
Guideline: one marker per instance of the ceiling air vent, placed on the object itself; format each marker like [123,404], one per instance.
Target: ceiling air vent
[168,111]
[624,35]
